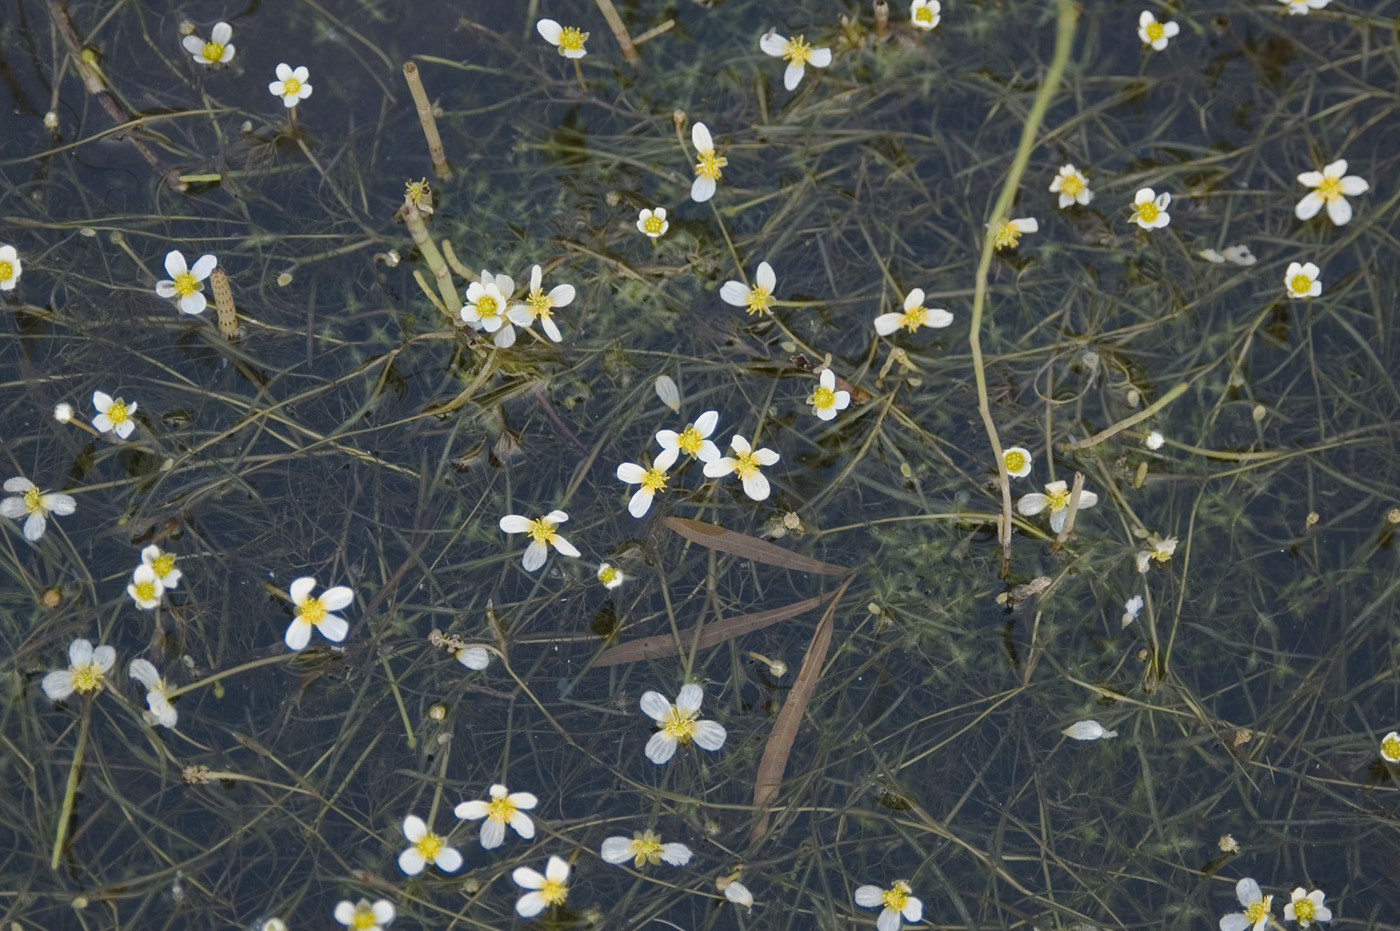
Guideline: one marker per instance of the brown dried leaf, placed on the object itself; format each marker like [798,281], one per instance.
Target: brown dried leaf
[739,544]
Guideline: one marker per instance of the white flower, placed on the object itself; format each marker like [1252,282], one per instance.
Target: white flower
[550,889]
[217,51]
[542,537]
[1296,7]
[746,465]
[473,657]
[652,480]
[678,723]
[63,412]
[85,672]
[895,902]
[185,282]
[486,307]
[316,612]
[1332,187]
[160,711]
[568,39]
[755,300]
[610,575]
[10,268]
[1072,187]
[798,54]
[1088,730]
[1131,609]
[644,847]
[1301,280]
[915,315]
[1239,255]
[693,441]
[145,588]
[1306,907]
[163,564]
[1390,747]
[1017,460]
[654,222]
[738,893]
[1154,440]
[36,504]
[426,847]
[1155,549]
[504,808]
[925,14]
[1008,232]
[1150,210]
[364,915]
[540,306]
[291,84]
[708,165]
[1056,498]
[825,399]
[1154,33]
[1256,908]
[113,416]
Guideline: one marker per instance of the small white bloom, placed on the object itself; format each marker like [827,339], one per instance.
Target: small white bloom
[86,669]
[1017,460]
[1306,907]
[1303,7]
[746,465]
[694,441]
[708,165]
[291,84]
[504,808]
[651,480]
[542,537]
[185,283]
[1088,730]
[550,889]
[1150,209]
[145,588]
[10,268]
[798,53]
[540,306]
[755,300]
[644,847]
[679,724]
[825,399]
[654,222]
[567,39]
[895,903]
[1056,498]
[36,504]
[610,575]
[1072,187]
[1332,186]
[1301,280]
[1131,609]
[365,915]
[316,612]
[915,315]
[159,710]
[1008,232]
[63,412]
[1154,33]
[925,14]
[113,416]
[1256,908]
[1154,440]
[1390,747]
[473,657]
[1155,549]
[163,564]
[217,51]
[485,308]
[424,848]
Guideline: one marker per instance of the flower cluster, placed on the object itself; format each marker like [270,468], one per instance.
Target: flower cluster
[1303,907]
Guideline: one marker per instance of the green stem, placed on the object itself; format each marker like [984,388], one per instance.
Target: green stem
[208,680]
[66,813]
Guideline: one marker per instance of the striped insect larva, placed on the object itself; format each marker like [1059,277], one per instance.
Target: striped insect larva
[223,303]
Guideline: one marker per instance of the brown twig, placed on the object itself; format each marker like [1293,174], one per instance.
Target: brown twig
[425,116]
[619,29]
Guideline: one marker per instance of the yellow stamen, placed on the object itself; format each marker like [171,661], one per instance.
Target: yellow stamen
[654,480]
[291,86]
[822,398]
[1071,185]
[486,306]
[1147,211]
[146,591]
[896,896]
[1015,460]
[117,412]
[429,845]
[679,725]
[34,501]
[364,918]
[690,440]
[1304,910]
[86,678]
[710,165]
[1007,236]
[500,809]
[572,38]
[7,271]
[914,318]
[798,51]
[759,300]
[186,284]
[646,848]
[541,531]
[1057,500]
[1390,747]
[213,51]
[554,893]
[312,611]
[163,563]
[653,224]
[1154,31]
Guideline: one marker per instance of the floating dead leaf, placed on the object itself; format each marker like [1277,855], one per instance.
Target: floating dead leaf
[740,544]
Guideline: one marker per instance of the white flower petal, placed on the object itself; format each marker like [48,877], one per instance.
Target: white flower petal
[661,747]
[709,735]
[655,706]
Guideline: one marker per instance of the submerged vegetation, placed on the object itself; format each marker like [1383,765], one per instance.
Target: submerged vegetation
[952,484]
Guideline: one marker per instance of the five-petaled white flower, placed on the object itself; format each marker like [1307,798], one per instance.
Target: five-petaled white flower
[895,902]
[217,51]
[925,14]
[1007,233]
[1154,33]
[567,39]
[36,504]
[642,848]
[915,315]
[1155,549]
[291,84]
[316,612]
[755,300]
[485,308]
[1056,498]
[1390,747]
[1072,187]
[542,537]
[1301,280]
[365,915]
[10,268]
[610,575]
[1150,209]
[651,480]
[163,564]
[1306,907]
[1302,7]
[504,808]
[145,588]
[694,441]
[550,889]
[159,710]
[1256,908]
[708,165]
[653,222]
[425,847]
[85,672]
[1017,460]
[185,282]
[746,465]
[1332,187]
[113,416]
[540,306]
[825,399]
[678,723]
[798,53]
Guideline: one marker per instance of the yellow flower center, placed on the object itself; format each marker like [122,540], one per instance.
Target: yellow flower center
[1303,909]
[500,809]
[86,678]
[1015,460]
[759,300]
[541,531]
[1147,211]
[746,465]
[1258,910]
[486,306]
[798,51]
[291,86]
[1300,284]
[1330,188]
[822,398]
[429,845]
[646,847]
[554,893]
[1391,747]
[7,271]
[710,165]
[896,896]
[212,52]
[572,38]
[33,501]
[654,223]
[690,439]
[1057,500]
[607,574]
[1154,31]
[654,480]
[539,302]
[923,15]
[312,610]
[364,918]
[1072,185]
[185,284]
[163,563]
[415,191]
[1007,236]
[914,318]
[679,725]
[146,591]
[1162,553]
[117,412]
